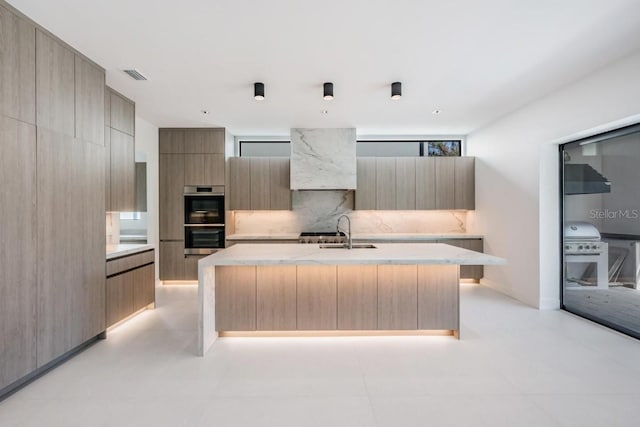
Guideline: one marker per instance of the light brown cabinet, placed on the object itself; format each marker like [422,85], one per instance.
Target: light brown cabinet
[17,68]
[191,266]
[55,85]
[236,298]
[171,197]
[357,297]
[316,297]
[18,258]
[123,172]
[397,297]
[120,164]
[89,103]
[192,141]
[275,298]
[71,276]
[259,183]
[438,296]
[468,271]
[204,169]
[409,183]
[172,261]
[130,285]
[171,141]
[123,117]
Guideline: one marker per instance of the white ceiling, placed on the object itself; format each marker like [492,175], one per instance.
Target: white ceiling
[475,60]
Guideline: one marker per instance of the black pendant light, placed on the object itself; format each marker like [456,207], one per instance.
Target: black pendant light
[258,91]
[328,91]
[396,90]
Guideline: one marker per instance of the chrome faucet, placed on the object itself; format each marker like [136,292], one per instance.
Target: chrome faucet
[349,243]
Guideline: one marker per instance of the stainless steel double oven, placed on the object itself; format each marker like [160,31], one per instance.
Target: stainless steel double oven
[203,219]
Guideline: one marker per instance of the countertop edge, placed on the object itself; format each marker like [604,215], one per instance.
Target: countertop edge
[120,251]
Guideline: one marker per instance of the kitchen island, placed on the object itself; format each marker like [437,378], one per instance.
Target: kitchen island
[284,289]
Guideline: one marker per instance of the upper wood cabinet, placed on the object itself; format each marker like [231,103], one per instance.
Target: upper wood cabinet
[123,172]
[203,169]
[192,141]
[17,67]
[89,108]
[123,115]
[422,183]
[171,197]
[55,85]
[259,183]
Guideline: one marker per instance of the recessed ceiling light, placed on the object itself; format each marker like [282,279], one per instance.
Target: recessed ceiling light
[327,93]
[396,90]
[258,91]
[205,112]
[324,111]
[436,111]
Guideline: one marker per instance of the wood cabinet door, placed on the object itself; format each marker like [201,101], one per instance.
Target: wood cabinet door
[445,182]
[89,106]
[405,183]
[260,188]
[171,141]
[107,169]
[357,297]
[171,195]
[55,85]
[366,185]
[235,298]
[71,271]
[425,183]
[122,114]
[276,298]
[316,297]
[17,68]
[18,290]
[191,266]
[172,262]
[438,297]
[239,183]
[123,172]
[144,286]
[397,297]
[119,297]
[204,141]
[279,175]
[468,271]
[465,193]
[385,183]
[204,169]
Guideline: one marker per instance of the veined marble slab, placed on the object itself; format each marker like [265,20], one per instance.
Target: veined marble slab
[323,159]
[383,253]
[361,237]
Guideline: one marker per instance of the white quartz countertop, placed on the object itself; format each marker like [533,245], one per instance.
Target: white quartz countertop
[363,236]
[115,251]
[384,253]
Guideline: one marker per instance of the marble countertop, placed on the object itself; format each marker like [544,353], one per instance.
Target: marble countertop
[115,251]
[362,236]
[384,253]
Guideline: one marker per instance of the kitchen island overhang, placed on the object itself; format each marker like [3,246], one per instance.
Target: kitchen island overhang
[254,288]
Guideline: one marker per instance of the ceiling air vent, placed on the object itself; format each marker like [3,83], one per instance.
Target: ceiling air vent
[135,74]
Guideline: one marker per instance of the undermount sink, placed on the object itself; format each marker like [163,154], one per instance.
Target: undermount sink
[343,246]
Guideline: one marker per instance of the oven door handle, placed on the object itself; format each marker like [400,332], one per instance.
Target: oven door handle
[204,225]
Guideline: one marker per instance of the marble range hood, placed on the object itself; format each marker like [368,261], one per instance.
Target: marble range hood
[323,159]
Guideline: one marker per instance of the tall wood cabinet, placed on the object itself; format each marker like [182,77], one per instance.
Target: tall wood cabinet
[259,183]
[120,160]
[52,157]
[409,183]
[187,157]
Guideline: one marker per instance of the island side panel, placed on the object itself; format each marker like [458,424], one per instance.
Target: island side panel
[207,333]
[357,297]
[397,297]
[317,297]
[276,297]
[439,297]
[235,298]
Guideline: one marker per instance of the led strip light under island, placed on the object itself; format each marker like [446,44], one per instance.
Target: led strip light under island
[293,289]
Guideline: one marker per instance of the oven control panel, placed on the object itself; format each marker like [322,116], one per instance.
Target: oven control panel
[583,248]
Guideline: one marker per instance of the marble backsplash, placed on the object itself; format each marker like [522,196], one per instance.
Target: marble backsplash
[319,211]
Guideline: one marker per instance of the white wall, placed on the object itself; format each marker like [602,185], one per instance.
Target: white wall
[147,148]
[517,192]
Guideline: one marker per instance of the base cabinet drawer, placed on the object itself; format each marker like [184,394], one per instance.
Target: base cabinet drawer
[119,297]
[130,290]
[144,289]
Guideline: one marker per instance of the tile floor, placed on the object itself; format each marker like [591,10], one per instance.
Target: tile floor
[515,366]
